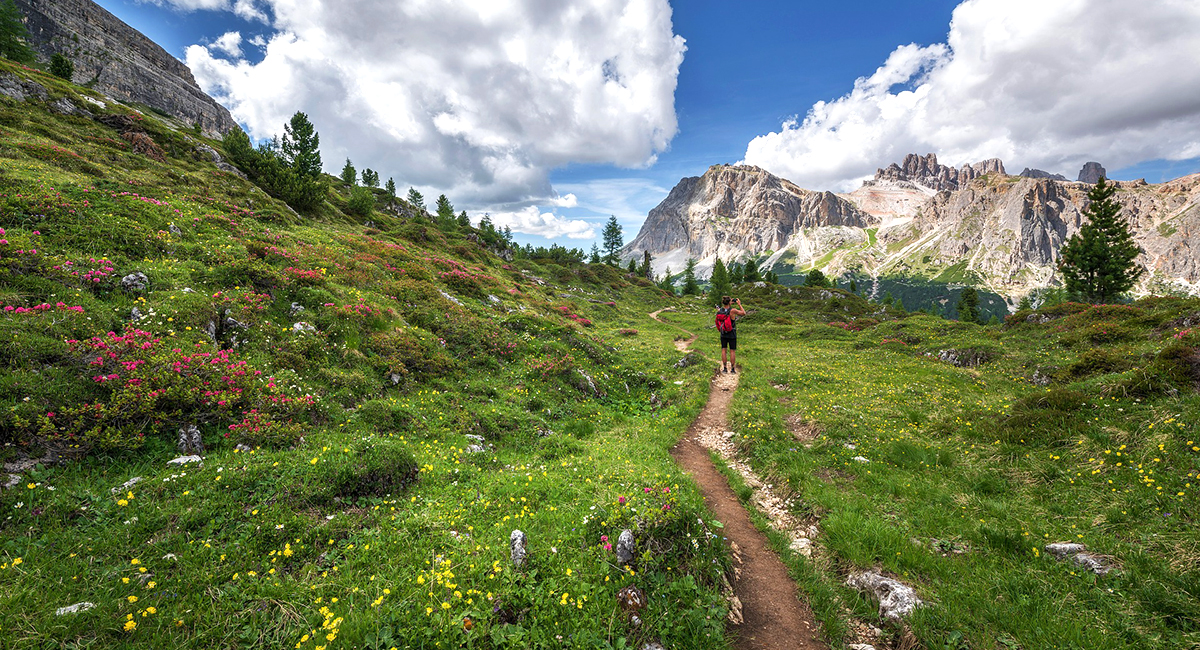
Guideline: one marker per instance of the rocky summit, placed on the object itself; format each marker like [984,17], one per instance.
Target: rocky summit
[920,219]
[733,210]
[117,60]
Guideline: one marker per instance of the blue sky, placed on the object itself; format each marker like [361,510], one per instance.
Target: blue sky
[748,68]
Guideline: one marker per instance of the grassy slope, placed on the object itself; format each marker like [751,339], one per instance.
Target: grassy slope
[982,460]
[326,541]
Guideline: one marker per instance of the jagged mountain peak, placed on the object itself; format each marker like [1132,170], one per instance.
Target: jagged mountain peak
[926,171]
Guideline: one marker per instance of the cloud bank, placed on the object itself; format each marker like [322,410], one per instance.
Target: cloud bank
[1048,85]
[478,99]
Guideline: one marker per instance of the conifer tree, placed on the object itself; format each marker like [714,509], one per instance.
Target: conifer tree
[301,147]
[735,271]
[391,187]
[417,201]
[968,306]
[445,211]
[690,286]
[595,258]
[463,220]
[647,271]
[61,66]
[719,283]
[508,235]
[349,174]
[632,268]
[13,35]
[853,286]
[612,240]
[750,271]
[665,283]
[370,178]
[816,278]
[1026,303]
[1097,262]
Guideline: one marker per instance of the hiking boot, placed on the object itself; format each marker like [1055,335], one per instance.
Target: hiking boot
[724,369]
[733,370]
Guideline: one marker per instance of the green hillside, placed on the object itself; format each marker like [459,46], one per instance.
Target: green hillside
[384,397]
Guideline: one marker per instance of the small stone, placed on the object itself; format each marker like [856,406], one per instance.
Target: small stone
[395,378]
[135,314]
[631,599]
[174,229]
[303,327]
[74,609]
[652,645]
[13,481]
[1064,550]
[450,298]
[135,282]
[190,440]
[861,646]
[296,308]
[896,599]
[188,290]
[735,611]
[803,546]
[242,448]
[625,547]
[516,547]
[126,485]
[861,459]
[170,556]
[184,460]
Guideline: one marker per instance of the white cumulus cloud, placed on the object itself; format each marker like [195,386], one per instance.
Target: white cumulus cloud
[533,221]
[1048,85]
[230,43]
[478,99]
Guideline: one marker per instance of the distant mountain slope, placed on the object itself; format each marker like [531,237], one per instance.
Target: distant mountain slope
[119,61]
[976,225]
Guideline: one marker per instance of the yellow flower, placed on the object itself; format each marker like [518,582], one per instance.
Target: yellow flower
[130,625]
[122,502]
[151,610]
[132,599]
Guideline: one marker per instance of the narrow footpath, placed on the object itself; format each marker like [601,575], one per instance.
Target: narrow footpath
[772,615]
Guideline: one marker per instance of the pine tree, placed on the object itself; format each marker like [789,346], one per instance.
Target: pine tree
[61,66]
[1026,303]
[362,201]
[370,178]
[735,271]
[595,258]
[647,269]
[718,283]
[816,278]
[463,220]
[445,211]
[508,235]
[690,286]
[665,283]
[1097,262]
[612,240]
[632,268]
[301,147]
[853,286]
[13,35]
[968,306]
[349,174]
[417,201]
[391,186]
[750,271]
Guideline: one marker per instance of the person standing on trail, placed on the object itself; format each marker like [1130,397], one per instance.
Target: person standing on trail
[727,326]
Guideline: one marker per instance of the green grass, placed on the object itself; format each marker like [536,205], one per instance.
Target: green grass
[980,457]
[357,518]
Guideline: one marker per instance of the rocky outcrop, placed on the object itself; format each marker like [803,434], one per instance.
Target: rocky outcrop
[117,60]
[1037,173]
[1091,173]
[732,210]
[926,171]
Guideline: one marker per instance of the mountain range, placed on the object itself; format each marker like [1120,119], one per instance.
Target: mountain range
[919,219]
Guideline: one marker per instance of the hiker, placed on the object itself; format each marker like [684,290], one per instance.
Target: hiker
[727,326]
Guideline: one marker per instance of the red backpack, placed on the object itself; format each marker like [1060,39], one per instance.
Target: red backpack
[724,321]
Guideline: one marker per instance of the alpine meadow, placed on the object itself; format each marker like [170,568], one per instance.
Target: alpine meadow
[248,403]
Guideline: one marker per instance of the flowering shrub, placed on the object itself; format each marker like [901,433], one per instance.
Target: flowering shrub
[146,386]
[44,307]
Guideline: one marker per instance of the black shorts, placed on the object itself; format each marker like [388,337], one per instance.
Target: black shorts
[729,341]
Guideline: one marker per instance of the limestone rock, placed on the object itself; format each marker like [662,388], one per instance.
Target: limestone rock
[190,440]
[20,89]
[1098,564]
[1037,173]
[296,309]
[896,599]
[184,460]
[117,60]
[625,550]
[303,328]
[135,282]
[1091,173]
[74,609]
[926,171]
[516,548]
[126,485]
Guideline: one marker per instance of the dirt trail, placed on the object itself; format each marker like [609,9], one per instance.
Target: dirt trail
[773,617]
[682,346]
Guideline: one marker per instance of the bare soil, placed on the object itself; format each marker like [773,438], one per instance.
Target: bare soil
[773,616]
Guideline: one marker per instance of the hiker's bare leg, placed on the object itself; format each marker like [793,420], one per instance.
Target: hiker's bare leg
[733,358]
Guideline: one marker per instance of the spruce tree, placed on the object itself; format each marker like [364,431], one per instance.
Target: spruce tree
[417,201]
[632,268]
[735,271]
[61,66]
[816,278]
[1097,262]
[647,271]
[968,306]
[750,271]
[463,220]
[445,211]
[301,147]
[595,259]
[391,186]
[370,178]
[612,240]
[349,174]
[853,286]
[665,283]
[719,283]
[690,286]
[13,34]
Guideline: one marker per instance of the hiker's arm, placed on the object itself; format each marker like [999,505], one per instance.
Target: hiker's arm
[739,311]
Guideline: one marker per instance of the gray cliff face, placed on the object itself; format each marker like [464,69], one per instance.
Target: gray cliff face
[926,171]
[1037,173]
[732,210]
[1091,173]
[119,61]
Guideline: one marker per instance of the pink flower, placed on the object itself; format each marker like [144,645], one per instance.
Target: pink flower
[621,500]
